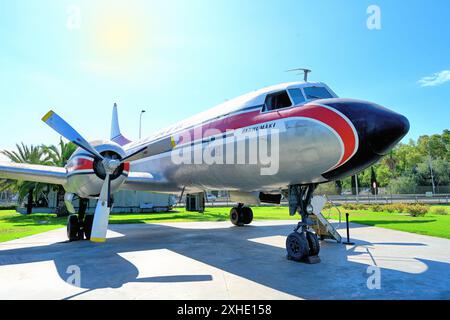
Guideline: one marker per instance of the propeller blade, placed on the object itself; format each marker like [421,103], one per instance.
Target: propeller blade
[102,211]
[63,128]
[134,155]
[109,192]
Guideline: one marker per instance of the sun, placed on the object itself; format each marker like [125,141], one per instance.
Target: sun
[118,37]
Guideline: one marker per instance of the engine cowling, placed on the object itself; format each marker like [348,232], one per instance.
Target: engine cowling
[86,174]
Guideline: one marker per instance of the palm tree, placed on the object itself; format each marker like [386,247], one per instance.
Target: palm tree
[58,156]
[34,190]
[391,161]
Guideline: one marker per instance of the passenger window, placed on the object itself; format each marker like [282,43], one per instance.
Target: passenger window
[297,96]
[275,101]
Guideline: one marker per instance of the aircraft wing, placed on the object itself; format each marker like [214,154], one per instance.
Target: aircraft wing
[138,181]
[33,173]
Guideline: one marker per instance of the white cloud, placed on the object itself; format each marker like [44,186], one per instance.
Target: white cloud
[436,79]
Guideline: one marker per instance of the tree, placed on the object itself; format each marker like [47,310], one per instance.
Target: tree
[441,172]
[436,146]
[403,185]
[338,186]
[34,190]
[58,156]
[384,175]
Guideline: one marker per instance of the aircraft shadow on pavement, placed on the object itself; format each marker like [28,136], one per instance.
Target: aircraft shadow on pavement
[239,251]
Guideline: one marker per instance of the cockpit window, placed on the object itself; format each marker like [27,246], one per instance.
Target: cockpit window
[297,96]
[313,93]
[278,100]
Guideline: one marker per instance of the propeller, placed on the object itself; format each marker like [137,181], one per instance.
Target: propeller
[63,128]
[104,204]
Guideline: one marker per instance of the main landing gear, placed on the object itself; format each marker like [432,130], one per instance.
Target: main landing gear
[303,244]
[240,215]
[80,226]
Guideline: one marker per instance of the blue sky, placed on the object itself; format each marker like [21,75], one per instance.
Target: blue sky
[177,58]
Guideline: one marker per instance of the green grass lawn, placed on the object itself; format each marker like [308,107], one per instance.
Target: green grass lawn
[430,225]
[14,225]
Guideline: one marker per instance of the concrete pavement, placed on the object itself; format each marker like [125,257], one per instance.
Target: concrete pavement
[213,260]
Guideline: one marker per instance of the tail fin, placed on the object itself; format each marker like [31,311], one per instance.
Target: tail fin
[116,135]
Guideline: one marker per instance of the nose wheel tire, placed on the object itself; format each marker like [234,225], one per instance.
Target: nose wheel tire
[240,216]
[247,215]
[73,228]
[87,229]
[313,244]
[236,217]
[297,246]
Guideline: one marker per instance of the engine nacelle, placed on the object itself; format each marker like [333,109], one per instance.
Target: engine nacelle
[86,174]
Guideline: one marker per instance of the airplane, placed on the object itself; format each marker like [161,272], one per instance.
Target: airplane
[316,136]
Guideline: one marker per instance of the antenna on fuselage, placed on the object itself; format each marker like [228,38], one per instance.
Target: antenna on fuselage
[303,71]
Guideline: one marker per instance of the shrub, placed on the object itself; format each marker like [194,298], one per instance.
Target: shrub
[440,211]
[348,206]
[401,207]
[362,207]
[377,208]
[417,210]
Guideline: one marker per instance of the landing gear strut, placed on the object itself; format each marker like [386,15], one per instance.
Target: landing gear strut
[80,226]
[303,244]
[240,215]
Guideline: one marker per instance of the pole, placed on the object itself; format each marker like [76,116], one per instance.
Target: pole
[431,168]
[357,188]
[432,177]
[348,230]
[140,124]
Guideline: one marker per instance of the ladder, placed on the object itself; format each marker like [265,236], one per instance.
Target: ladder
[323,228]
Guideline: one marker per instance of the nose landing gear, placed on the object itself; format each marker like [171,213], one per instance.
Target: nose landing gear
[240,215]
[303,244]
[80,226]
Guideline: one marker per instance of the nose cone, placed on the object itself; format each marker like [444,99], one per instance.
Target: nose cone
[379,130]
[386,131]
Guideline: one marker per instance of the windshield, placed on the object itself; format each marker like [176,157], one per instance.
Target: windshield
[313,93]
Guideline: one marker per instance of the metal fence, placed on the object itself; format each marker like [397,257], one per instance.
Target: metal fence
[393,198]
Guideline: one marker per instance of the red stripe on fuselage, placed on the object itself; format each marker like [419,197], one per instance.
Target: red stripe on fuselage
[81,164]
[338,123]
[319,113]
